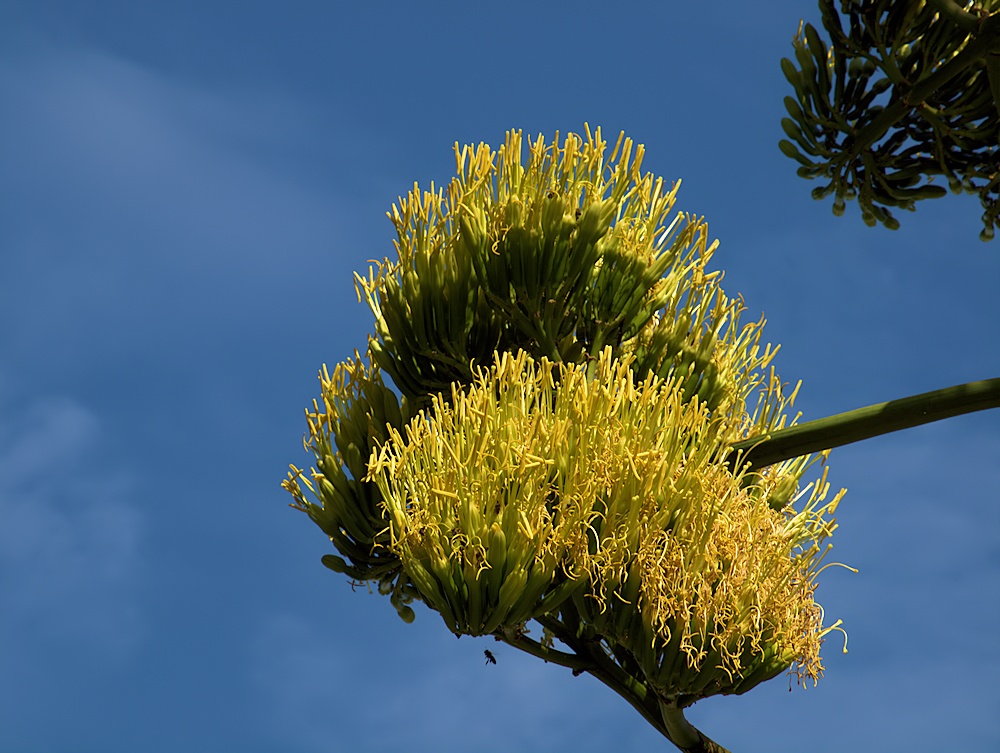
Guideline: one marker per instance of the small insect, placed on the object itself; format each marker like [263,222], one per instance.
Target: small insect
[490,658]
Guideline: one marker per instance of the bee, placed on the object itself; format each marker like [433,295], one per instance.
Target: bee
[490,658]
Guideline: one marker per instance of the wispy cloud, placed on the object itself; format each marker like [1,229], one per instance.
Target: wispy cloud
[69,539]
[140,161]
[186,205]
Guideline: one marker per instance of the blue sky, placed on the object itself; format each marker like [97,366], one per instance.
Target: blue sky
[185,191]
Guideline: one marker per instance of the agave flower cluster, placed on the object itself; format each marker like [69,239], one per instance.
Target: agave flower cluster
[902,93]
[569,382]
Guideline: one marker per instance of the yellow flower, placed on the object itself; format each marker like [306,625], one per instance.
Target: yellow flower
[611,493]
[572,381]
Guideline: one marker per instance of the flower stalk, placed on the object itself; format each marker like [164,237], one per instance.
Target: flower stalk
[865,423]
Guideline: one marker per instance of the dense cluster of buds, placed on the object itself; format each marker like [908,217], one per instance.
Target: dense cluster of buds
[903,93]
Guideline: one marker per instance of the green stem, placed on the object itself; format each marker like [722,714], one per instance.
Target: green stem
[666,717]
[684,735]
[865,423]
[573,661]
[604,669]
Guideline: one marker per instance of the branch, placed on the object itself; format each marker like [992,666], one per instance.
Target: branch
[957,15]
[666,717]
[574,661]
[865,423]
[604,669]
[684,734]
[985,42]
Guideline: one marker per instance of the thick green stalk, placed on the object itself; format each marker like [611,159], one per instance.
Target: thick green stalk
[865,423]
